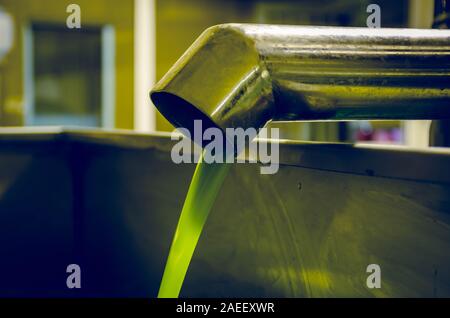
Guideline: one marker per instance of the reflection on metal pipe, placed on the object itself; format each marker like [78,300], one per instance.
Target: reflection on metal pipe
[238,75]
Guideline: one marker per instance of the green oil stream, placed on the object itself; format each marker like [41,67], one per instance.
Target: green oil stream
[204,187]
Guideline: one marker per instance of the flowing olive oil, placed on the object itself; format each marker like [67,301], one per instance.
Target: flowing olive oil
[203,190]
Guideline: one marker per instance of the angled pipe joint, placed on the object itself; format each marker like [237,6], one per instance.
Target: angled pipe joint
[243,75]
[220,80]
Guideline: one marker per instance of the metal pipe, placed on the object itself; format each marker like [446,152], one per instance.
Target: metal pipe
[243,75]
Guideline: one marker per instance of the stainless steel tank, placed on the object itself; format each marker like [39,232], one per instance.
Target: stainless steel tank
[109,201]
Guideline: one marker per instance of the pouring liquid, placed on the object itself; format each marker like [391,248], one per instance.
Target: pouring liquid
[202,193]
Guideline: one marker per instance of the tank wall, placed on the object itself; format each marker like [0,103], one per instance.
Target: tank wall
[301,232]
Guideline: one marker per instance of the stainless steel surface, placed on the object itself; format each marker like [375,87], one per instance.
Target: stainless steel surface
[109,201]
[238,75]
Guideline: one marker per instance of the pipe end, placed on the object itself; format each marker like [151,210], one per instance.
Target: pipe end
[220,80]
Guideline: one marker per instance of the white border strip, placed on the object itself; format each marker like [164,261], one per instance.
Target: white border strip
[28,75]
[144,64]
[108,77]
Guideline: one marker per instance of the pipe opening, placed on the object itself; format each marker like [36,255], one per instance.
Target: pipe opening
[181,113]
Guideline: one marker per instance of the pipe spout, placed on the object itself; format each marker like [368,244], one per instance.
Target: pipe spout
[244,75]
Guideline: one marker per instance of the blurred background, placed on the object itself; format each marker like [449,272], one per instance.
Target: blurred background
[100,74]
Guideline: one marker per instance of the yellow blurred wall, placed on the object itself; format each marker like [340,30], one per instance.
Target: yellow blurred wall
[118,13]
